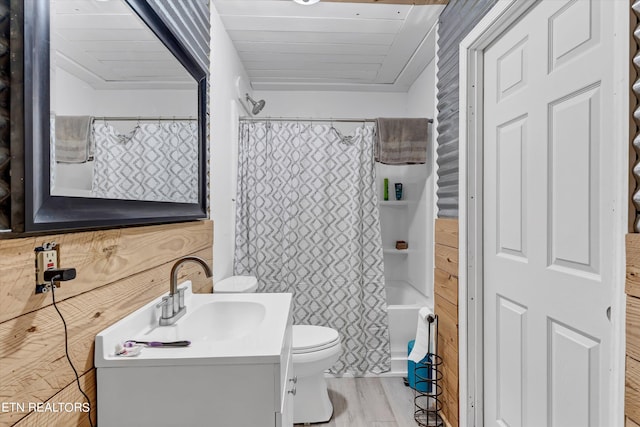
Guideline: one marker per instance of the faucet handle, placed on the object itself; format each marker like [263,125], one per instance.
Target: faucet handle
[181,297]
[167,306]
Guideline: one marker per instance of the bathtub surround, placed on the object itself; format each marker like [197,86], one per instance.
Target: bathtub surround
[403,304]
[307,223]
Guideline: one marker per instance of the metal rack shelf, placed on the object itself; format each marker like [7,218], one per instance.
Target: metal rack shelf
[428,404]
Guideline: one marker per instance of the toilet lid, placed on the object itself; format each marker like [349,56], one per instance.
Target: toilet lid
[236,284]
[308,338]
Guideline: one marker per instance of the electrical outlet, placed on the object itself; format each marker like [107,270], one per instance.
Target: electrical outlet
[46,258]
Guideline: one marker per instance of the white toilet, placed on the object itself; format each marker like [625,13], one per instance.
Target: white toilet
[236,285]
[315,349]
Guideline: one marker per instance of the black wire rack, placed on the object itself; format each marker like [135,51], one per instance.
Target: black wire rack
[428,377]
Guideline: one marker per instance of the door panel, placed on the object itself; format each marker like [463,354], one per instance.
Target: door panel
[547,225]
[511,188]
[574,176]
[511,361]
[573,377]
[573,29]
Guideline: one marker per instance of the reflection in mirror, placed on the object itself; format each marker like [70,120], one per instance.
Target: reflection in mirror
[123,109]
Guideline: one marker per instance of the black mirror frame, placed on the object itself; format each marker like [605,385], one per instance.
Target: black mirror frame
[41,210]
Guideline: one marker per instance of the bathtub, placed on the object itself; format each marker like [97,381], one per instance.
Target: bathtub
[403,303]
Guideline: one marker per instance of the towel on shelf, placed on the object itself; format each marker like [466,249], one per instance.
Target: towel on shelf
[73,138]
[401,141]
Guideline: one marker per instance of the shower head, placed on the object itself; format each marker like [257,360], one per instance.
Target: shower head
[257,106]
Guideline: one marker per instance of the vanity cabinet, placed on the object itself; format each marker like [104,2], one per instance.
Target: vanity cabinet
[246,382]
[287,383]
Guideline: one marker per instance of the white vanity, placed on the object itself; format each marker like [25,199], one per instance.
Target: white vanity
[237,371]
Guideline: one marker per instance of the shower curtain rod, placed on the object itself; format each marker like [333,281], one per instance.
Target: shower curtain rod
[144,119]
[308,119]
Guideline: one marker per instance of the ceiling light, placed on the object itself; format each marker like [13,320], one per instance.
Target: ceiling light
[306,2]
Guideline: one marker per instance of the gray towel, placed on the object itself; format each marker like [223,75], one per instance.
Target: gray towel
[73,138]
[401,141]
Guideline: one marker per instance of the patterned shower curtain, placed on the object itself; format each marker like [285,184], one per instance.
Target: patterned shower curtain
[307,223]
[157,161]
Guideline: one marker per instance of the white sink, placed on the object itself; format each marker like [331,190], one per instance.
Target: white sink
[213,321]
[222,328]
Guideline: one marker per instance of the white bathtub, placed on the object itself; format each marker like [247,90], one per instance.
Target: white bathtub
[403,303]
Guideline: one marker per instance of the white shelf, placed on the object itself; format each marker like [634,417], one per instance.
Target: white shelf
[394,203]
[396,251]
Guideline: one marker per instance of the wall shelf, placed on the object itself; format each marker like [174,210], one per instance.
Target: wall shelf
[396,251]
[394,203]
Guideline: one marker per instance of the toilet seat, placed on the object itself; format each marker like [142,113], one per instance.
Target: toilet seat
[309,339]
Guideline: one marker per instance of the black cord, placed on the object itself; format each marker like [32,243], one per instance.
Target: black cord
[66,346]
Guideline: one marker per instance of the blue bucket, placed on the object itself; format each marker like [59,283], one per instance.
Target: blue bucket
[424,386]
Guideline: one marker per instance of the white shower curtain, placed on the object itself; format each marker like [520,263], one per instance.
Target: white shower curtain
[307,223]
[157,161]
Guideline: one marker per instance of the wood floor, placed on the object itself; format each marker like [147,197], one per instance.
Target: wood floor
[370,402]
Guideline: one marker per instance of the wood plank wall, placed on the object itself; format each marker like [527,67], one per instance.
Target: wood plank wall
[118,271]
[632,378]
[632,383]
[446,307]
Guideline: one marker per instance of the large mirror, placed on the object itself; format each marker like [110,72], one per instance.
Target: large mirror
[118,117]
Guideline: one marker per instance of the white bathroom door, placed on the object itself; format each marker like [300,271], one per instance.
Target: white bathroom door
[548,217]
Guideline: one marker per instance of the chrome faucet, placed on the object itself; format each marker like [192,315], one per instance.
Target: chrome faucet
[172,305]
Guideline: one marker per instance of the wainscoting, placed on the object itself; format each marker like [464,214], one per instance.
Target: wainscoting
[119,270]
[632,383]
[446,307]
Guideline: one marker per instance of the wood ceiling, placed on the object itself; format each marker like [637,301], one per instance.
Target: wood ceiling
[416,2]
[331,45]
[105,44]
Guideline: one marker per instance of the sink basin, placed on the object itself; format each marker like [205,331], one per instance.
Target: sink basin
[214,321]
[222,328]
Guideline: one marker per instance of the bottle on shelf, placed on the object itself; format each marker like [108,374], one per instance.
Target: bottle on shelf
[386,189]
